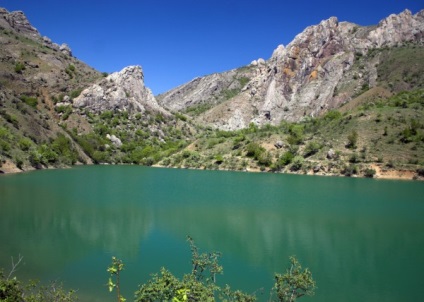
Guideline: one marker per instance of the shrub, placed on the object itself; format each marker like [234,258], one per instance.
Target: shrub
[265,159]
[254,150]
[297,163]
[286,158]
[19,66]
[75,93]
[350,170]
[352,140]
[369,173]
[354,158]
[25,144]
[311,148]
[30,101]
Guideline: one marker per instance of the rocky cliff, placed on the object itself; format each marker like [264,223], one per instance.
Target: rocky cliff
[123,91]
[17,21]
[319,70]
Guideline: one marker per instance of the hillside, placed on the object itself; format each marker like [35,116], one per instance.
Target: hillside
[340,99]
[324,67]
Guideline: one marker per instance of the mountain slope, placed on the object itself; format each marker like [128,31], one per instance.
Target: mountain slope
[327,65]
[326,104]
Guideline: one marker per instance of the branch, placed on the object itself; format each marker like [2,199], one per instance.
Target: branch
[14,266]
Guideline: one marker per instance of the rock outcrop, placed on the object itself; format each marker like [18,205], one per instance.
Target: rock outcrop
[309,76]
[122,91]
[17,21]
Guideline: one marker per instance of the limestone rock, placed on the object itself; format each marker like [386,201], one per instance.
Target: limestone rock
[279,144]
[18,21]
[124,91]
[331,154]
[115,141]
[65,49]
[301,79]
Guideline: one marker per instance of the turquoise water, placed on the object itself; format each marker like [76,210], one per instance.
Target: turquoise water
[361,238]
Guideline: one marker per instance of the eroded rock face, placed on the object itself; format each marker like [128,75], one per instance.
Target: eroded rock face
[19,22]
[301,79]
[124,91]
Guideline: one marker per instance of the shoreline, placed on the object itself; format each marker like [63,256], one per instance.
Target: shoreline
[8,168]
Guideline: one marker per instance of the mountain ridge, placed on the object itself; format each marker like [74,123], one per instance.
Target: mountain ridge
[299,79]
[328,103]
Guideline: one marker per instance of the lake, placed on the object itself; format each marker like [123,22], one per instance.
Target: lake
[363,239]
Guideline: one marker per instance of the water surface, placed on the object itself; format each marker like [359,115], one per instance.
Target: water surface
[362,239]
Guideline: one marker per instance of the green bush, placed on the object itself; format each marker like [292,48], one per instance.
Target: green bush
[297,163]
[19,66]
[25,143]
[369,173]
[75,93]
[30,101]
[352,140]
[311,148]
[254,150]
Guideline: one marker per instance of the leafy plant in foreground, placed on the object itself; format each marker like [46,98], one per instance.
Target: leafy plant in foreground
[114,270]
[295,283]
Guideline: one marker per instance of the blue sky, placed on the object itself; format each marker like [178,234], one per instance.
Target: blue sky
[176,41]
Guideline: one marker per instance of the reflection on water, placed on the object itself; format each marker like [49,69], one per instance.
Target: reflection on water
[359,236]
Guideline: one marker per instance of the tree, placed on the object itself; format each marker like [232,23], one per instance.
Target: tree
[295,283]
[352,140]
[199,285]
[114,270]
[12,290]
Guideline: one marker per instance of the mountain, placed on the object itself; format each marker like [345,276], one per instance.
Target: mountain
[325,66]
[57,111]
[340,99]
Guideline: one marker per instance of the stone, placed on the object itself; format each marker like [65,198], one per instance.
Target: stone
[123,91]
[18,21]
[65,49]
[317,168]
[279,144]
[331,154]
[115,141]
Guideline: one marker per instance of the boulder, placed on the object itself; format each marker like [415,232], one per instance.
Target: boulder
[65,49]
[279,144]
[331,154]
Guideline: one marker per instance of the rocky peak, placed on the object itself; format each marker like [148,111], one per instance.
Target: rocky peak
[399,28]
[307,77]
[19,22]
[123,91]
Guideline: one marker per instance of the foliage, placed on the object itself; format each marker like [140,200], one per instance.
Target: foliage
[200,284]
[369,173]
[254,150]
[75,93]
[13,290]
[296,132]
[30,101]
[297,163]
[19,66]
[352,140]
[295,283]
[311,148]
[114,271]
